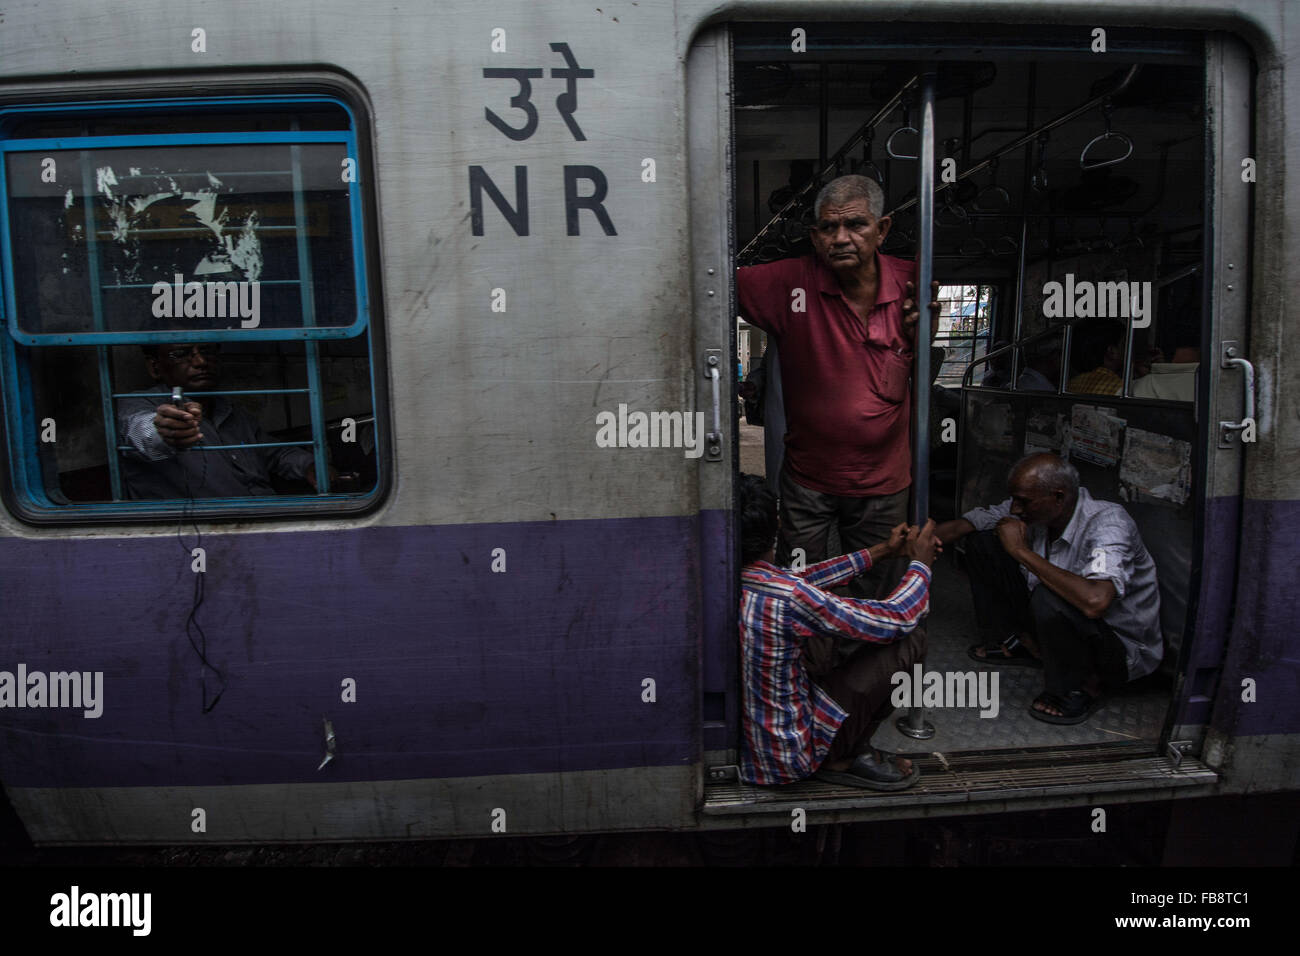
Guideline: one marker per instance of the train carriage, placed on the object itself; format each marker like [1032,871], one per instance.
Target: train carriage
[474,262]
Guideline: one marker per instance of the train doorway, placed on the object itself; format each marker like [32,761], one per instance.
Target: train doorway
[1057,171]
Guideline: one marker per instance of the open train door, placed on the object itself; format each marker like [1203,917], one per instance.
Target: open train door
[1240,702]
[1236,706]
[755,113]
[708,86]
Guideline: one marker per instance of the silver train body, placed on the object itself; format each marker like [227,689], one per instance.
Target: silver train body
[540,630]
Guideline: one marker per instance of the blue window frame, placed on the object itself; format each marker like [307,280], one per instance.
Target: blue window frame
[233,221]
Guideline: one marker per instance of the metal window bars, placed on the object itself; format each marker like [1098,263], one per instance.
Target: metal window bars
[311,347]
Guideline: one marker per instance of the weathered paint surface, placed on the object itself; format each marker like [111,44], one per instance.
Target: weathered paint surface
[573,802]
[459,671]
[493,416]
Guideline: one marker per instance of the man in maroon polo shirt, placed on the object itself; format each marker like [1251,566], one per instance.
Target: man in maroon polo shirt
[844,321]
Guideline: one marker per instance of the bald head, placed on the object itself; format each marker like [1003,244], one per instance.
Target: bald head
[1044,490]
[1047,471]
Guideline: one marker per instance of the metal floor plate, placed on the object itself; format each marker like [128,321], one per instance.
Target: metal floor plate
[1136,713]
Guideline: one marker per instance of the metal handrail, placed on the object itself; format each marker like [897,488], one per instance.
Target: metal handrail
[1034,134]
[1057,329]
[755,244]
[233,391]
[831,165]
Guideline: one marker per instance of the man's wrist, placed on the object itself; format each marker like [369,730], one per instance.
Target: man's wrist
[1023,554]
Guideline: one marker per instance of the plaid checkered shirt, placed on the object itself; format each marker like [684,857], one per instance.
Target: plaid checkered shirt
[789,721]
[1100,381]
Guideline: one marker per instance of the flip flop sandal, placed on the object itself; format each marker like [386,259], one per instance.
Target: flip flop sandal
[1016,654]
[872,771]
[1075,707]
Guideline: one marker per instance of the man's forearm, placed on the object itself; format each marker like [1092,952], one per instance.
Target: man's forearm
[1089,596]
[293,462]
[950,531]
[879,552]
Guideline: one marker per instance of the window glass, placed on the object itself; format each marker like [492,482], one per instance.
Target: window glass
[181,238]
[153,247]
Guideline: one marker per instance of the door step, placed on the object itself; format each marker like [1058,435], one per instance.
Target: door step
[969,778]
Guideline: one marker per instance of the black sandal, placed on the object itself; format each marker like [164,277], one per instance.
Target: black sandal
[873,770]
[1075,707]
[1010,651]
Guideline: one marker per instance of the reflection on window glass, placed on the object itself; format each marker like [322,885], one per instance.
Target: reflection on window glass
[186,238]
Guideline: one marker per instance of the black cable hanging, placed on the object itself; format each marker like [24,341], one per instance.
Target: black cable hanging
[191,622]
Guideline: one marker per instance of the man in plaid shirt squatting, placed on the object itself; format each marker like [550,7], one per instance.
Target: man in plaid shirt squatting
[795,726]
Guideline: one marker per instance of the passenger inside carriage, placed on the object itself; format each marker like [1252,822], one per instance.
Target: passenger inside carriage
[1062,582]
[1042,367]
[163,461]
[800,721]
[1099,355]
[844,321]
[997,258]
[1175,380]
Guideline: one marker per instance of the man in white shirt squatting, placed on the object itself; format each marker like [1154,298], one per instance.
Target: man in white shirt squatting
[1063,582]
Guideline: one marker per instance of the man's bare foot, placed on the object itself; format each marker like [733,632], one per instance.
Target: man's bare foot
[1091,687]
[1046,707]
[1072,708]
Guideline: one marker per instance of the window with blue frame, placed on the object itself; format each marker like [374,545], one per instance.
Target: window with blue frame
[214,246]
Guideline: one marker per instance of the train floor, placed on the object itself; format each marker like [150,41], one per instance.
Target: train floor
[1135,713]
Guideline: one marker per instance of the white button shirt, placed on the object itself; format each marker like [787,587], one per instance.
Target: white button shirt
[1101,543]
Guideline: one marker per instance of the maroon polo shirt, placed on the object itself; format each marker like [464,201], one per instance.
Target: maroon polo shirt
[847,389]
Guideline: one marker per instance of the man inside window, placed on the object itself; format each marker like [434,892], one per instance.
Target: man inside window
[163,460]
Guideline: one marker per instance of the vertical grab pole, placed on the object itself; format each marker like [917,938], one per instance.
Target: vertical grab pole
[914,724]
[925,272]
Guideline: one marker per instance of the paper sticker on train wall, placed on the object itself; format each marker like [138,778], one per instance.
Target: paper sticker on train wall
[1047,432]
[1155,468]
[1095,434]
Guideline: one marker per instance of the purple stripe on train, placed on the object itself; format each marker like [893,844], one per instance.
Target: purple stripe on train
[1265,646]
[1213,614]
[459,670]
